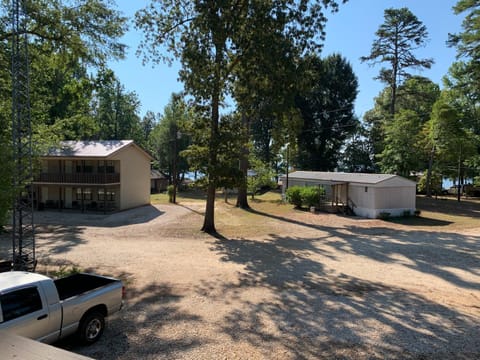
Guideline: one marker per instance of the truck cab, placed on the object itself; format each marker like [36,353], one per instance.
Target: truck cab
[30,304]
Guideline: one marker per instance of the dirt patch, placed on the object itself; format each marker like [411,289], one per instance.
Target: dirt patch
[284,284]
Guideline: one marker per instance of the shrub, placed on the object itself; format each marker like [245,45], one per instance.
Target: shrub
[383,215]
[406,213]
[311,196]
[170,190]
[435,184]
[304,196]
[294,196]
[417,212]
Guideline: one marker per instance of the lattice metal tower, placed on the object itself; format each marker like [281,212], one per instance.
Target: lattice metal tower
[23,231]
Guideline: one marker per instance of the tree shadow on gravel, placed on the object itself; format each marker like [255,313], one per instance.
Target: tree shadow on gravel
[138,330]
[59,239]
[315,313]
[429,251]
[139,215]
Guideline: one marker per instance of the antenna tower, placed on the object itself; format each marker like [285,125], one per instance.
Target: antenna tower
[23,231]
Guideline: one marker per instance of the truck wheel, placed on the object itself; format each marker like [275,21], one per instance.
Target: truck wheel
[91,327]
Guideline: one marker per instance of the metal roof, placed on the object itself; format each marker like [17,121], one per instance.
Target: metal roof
[341,177]
[102,149]
[155,174]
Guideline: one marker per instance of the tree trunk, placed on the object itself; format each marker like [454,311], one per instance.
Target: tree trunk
[429,173]
[209,219]
[175,180]
[394,76]
[394,98]
[242,200]
[459,186]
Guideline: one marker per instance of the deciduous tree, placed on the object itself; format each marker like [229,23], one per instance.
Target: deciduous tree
[168,139]
[211,38]
[417,95]
[399,155]
[116,110]
[326,107]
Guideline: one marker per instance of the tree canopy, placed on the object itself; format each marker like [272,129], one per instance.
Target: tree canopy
[214,38]
[67,40]
[396,40]
[326,107]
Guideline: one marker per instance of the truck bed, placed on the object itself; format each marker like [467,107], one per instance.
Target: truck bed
[77,284]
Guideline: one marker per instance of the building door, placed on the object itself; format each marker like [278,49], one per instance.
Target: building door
[44,193]
[68,197]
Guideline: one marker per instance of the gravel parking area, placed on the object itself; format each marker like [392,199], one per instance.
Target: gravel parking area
[311,286]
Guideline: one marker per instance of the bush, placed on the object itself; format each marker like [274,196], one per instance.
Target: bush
[311,196]
[170,190]
[383,215]
[406,213]
[417,212]
[294,196]
[435,184]
[304,196]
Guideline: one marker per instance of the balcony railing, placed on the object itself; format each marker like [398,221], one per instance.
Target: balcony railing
[58,178]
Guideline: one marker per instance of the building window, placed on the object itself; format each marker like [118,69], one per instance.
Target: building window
[88,167]
[84,167]
[106,166]
[87,194]
[19,303]
[110,195]
[366,188]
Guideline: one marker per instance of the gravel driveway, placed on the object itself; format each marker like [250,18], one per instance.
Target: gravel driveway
[312,286]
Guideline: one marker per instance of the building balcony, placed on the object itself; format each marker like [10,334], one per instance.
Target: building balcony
[77,178]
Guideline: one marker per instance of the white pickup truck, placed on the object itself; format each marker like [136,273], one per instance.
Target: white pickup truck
[37,307]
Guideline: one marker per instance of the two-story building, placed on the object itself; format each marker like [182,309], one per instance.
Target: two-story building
[93,175]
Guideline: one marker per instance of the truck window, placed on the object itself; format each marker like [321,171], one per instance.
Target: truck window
[20,302]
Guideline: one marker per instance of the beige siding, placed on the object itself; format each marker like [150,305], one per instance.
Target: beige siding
[382,200]
[400,197]
[396,182]
[362,198]
[134,177]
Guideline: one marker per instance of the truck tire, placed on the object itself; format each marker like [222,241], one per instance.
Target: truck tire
[91,327]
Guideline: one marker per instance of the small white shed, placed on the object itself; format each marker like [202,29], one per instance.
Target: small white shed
[368,195]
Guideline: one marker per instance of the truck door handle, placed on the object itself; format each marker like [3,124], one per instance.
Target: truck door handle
[44,316]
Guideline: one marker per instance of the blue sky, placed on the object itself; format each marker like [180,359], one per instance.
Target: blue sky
[350,32]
